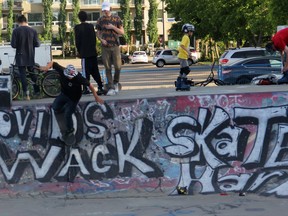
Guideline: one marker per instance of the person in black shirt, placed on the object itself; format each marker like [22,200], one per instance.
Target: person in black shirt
[85,39]
[24,40]
[71,91]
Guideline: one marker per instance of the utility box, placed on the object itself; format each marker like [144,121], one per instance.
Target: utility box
[5,91]
[43,55]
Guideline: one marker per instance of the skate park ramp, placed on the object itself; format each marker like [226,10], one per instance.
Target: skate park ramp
[208,140]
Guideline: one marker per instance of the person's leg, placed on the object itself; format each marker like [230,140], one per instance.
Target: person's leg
[86,68]
[284,79]
[83,67]
[92,66]
[22,72]
[116,55]
[85,74]
[58,108]
[184,68]
[34,78]
[69,109]
[107,62]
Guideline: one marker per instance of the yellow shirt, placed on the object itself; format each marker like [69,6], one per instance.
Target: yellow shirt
[186,43]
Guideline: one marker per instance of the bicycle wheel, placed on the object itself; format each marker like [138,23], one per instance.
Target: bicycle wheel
[51,84]
[219,82]
[15,88]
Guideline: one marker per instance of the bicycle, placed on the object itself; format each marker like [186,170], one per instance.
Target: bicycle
[209,79]
[48,81]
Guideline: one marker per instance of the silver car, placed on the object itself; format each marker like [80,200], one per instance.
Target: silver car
[169,56]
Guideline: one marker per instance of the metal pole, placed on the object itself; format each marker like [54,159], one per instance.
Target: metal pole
[163,37]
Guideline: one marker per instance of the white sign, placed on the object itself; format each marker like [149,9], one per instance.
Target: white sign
[7,55]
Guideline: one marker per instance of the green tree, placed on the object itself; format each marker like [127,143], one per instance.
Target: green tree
[138,19]
[152,24]
[126,18]
[74,21]
[243,21]
[10,20]
[62,25]
[48,17]
[278,12]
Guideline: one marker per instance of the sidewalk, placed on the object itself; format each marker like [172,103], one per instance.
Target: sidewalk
[76,62]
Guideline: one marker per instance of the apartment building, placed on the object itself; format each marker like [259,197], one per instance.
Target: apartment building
[33,10]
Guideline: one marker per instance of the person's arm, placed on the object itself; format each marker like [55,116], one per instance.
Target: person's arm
[77,39]
[183,47]
[119,30]
[14,40]
[36,41]
[285,59]
[47,67]
[97,98]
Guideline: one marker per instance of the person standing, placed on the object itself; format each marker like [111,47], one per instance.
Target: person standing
[109,27]
[24,40]
[183,55]
[85,38]
[279,43]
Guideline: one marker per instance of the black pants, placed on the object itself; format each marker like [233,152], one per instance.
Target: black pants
[90,67]
[64,108]
[22,72]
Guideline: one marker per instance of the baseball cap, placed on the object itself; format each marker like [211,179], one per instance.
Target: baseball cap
[106,6]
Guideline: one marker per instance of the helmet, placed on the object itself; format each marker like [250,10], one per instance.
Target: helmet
[270,48]
[188,28]
[70,71]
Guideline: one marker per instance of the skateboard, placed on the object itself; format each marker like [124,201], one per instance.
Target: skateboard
[68,140]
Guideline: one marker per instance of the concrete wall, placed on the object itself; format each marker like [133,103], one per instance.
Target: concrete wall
[209,143]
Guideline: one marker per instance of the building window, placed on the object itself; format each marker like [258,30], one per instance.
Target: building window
[114,1]
[93,16]
[91,2]
[35,19]
[55,18]
[35,1]
[160,16]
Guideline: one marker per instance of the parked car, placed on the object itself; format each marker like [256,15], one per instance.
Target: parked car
[195,55]
[243,71]
[169,56]
[232,55]
[124,58]
[139,57]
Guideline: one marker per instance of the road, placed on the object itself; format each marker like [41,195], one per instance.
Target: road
[141,76]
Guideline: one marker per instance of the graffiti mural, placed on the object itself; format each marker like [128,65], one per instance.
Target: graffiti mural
[207,143]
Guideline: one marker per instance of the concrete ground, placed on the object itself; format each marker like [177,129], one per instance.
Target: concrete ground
[138,205]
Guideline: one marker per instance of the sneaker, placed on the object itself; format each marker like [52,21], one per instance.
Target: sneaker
[111,92]
[69,131]
[116,86]
[26,96]
[101,91]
